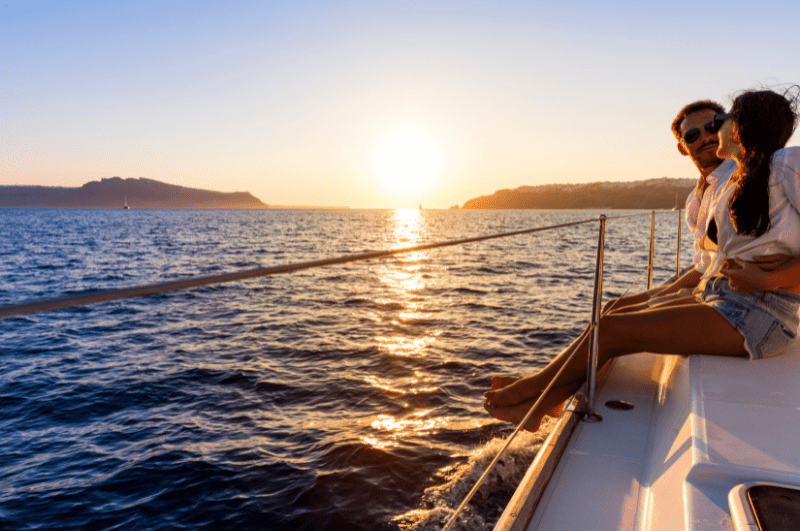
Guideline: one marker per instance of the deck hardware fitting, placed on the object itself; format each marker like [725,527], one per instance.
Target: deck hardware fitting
[619,405]
[591,417]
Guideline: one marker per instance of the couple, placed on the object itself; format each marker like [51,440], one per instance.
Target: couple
[742,296]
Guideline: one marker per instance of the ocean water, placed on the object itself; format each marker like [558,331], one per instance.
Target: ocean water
[345,397]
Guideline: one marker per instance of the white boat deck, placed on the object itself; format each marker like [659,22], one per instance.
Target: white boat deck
[701,426]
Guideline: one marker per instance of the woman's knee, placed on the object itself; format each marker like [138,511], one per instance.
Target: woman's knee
[609,304]
[616,332]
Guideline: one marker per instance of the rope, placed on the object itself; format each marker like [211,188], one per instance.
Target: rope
[165,287]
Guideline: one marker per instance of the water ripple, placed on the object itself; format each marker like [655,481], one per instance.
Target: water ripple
[347,397]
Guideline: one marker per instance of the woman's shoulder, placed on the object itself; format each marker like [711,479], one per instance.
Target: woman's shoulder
[785,165]
[789,156]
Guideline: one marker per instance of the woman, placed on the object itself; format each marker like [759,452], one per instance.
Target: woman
[756,217]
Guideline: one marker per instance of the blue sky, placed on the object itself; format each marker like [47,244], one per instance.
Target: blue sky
[297,102]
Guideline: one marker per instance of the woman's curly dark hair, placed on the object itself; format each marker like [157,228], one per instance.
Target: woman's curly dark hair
[763,123]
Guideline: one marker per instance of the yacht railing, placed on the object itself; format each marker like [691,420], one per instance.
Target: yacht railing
[165,287]
[177,285]
[87,299]
[597,301]
[652,249]
[588,414]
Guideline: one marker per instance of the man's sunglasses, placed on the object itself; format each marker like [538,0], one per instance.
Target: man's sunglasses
[692,135]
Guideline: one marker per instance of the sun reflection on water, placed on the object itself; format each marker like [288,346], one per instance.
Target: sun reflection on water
[402,386]
[419,425]
[404,278]
[406,346]
[406,333]
[390,430]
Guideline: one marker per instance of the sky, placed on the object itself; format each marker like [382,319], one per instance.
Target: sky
[371,104]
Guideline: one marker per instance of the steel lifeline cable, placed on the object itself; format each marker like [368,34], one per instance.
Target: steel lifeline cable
[176,285]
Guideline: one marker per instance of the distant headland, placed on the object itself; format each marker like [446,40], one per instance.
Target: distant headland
[651,194]
[116,192]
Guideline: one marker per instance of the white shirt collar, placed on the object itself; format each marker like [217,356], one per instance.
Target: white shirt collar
[727,166]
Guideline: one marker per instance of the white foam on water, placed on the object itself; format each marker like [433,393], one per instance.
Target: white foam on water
[440,502]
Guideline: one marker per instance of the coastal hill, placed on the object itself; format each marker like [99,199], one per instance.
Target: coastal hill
[651,194]
[113,192]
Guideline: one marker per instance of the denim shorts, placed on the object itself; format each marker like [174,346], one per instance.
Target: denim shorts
[767,320]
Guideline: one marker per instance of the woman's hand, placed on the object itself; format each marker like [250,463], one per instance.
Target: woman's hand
[758,275]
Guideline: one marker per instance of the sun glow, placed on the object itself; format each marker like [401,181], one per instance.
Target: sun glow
[407,164]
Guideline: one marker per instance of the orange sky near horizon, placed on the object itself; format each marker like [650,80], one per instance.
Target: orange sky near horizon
[365,106]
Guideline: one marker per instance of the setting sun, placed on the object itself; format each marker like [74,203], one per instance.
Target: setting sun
[407,164]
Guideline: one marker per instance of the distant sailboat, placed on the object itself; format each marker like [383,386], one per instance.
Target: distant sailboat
[125,206]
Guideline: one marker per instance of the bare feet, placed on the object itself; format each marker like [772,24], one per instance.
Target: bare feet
[558,410]
[515,414]
[507,396]
[501,382]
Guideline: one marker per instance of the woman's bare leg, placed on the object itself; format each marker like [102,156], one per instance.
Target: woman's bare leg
[616,305]
[653,303]
[682,329]
[502,382]
[613,305]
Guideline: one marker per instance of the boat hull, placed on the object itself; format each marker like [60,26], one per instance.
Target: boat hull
[701,427]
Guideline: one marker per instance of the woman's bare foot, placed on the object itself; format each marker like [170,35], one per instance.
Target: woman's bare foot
[499,382]
[558,410]
[507,396]
[515,414]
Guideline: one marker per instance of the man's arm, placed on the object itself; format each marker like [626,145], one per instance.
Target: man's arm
[689,279]
[764,273]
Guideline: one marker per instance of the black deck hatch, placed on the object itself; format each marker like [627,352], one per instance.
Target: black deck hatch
[775,508]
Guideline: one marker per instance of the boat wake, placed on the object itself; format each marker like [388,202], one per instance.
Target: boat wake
[440,502]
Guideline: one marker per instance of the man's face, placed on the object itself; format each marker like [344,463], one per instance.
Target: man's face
[702,151]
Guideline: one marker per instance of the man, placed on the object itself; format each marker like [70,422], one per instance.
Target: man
[698,141]
[695,140]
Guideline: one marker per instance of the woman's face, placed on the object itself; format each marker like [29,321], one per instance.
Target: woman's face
[728,147]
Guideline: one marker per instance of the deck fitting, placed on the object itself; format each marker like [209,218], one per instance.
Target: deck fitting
[620,405]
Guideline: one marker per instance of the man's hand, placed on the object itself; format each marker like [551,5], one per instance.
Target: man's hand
[758,275]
